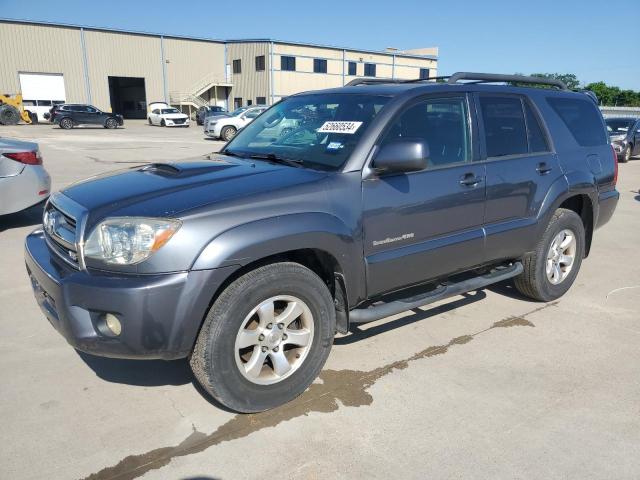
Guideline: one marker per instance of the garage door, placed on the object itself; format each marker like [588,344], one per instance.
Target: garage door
[42,86]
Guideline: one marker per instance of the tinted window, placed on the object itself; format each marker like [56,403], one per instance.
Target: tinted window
[504,127]
[253,113]
[352,68]
[442,123]
[535,134]
[260,63]
[582,119]
[44,103]
[319,65]
[369,69]
[261,100]
[424,73]
[237,66]
[288,63]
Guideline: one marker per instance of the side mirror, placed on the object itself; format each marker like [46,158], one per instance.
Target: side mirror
[402,155]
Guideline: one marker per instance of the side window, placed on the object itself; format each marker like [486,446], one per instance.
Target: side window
[156,112]
[535,134]
[504,128]
[582,119]
[442,123]
[91,110]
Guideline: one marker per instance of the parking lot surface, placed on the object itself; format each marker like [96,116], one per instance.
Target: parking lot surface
[486,385]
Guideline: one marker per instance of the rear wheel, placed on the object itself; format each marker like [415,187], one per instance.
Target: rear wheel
[266,338]
[228,133]
[551,270]
[66,123]
[34,117]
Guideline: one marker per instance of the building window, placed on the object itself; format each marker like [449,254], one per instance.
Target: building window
[249,103]
[353,68]
[319,65]
[369,69]
[288,64]
[237,102]
[261,100]
[237,66]
[424,73]
[260,63]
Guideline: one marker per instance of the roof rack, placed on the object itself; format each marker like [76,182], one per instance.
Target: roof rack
[497,77]
[457,77]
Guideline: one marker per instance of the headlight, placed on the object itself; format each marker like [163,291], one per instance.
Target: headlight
[129,240]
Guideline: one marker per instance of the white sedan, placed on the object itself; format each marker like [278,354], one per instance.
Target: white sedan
[168,117]
[23,180]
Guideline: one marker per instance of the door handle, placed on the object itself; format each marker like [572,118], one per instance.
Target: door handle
[543,168]
[470,180]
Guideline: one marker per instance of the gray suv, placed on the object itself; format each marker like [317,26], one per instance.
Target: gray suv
[625,136]
[386,196]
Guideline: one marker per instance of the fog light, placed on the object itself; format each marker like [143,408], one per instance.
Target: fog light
[113,324]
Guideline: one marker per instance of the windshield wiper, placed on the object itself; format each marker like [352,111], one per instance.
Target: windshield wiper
[272,157]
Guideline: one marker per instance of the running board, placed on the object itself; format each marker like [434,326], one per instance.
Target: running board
[364,315]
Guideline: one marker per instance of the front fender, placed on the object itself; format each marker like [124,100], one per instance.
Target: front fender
[252,241]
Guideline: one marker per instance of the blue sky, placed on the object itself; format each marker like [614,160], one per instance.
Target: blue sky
[565,36]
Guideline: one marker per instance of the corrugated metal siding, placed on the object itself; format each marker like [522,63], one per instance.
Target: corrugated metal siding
[191,62]
[249,84]
[41,49]
[122,55]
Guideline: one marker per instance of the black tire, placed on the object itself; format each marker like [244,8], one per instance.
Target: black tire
[149,119]
[34,117]
[66,124]
[626,154]
[9,115]
[111,123]
[213,359]
[228,132]
[533,282]
[162,124]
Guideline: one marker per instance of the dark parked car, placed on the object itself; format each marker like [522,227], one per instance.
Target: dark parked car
[625,136]
[69,115]
[385,197]
[209,111]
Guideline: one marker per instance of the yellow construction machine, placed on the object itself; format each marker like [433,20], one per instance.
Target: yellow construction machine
[12,110]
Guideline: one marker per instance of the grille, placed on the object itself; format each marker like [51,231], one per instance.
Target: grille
[179,121]
[60,231]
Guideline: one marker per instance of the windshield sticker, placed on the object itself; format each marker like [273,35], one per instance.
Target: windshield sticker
[340,127]
[335,146]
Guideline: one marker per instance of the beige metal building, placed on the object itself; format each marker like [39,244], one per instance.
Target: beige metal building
[123,71]
[264,71]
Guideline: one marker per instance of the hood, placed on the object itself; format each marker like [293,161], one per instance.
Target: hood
[167,189]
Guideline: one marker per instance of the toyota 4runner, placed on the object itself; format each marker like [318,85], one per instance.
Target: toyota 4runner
[386,196]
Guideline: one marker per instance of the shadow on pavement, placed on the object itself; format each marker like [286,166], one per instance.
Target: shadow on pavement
[144,373]
[30,216]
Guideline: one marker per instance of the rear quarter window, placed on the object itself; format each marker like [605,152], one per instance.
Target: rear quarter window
[582,119]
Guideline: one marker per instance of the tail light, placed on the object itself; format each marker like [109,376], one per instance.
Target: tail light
[28,158]
[615,165]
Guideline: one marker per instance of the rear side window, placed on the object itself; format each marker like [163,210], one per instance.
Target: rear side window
[504,127]
[535,134]
[582,119]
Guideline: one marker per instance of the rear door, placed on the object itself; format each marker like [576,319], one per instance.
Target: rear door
[422,225]
[520,168]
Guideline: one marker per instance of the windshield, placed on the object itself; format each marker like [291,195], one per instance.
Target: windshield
[319,131]
[618,126]
[170,110]
[239,111]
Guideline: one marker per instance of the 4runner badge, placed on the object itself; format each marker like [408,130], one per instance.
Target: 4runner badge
[404,236]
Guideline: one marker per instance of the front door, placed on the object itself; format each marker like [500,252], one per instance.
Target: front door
[426,224]
[520,171]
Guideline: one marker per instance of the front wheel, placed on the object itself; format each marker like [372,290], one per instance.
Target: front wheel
[163,124]
[551,270]
[266,338]
[228,133]
[111,123]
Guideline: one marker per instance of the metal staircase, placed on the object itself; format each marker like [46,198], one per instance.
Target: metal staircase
[192,97]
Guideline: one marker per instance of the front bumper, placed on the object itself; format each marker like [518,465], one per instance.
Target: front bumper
[28,188]
[212,131]
[172,123]
[160,314]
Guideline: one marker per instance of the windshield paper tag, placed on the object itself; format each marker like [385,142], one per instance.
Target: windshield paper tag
[340,127]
